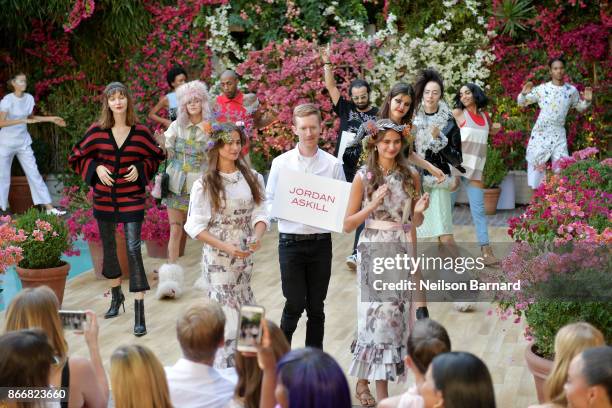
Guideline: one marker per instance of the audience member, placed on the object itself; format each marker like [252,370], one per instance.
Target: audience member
[85,379]
[589,379]
[193,382]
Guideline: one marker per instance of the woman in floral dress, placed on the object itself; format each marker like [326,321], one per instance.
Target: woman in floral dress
[227,213]
[384,195]
[185,141]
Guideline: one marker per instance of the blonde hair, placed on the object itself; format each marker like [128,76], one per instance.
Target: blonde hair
[250,375]
[570,341]
[107,120]
[200,330]
[185,93]
[138,378]
[306,109]
[38,307]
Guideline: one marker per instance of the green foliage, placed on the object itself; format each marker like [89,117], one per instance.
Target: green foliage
[514,15]
[45,253]
[546,317]
[259,162]
[494,170]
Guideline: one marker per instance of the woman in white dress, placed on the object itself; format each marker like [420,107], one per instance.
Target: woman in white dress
[227,213]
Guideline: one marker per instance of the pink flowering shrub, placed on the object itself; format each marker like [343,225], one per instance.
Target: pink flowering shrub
[81,10]
[10,237]
[561,255]
[174,39]
[81,222]
[46,239]
[565,28]
[156,226]
[285,74]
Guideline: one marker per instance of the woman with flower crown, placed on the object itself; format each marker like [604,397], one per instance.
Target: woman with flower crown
[386,196]
[185,143]
[227,213]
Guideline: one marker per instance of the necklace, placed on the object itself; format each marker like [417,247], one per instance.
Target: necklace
[387,172]
[231,178]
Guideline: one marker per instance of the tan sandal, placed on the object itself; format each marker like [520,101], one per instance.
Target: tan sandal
[365,397]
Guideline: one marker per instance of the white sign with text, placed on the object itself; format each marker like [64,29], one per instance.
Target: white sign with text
[311,200]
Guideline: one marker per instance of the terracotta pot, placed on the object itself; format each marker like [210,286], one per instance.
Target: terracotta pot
[157,250]
[97,255]
[491,196]
[20,197]
[540,369]
[55,278]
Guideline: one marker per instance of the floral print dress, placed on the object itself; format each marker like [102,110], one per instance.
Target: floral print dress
[382,326]
[188,146]
[228,279]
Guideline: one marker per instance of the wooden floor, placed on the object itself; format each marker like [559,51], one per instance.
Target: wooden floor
[499,343]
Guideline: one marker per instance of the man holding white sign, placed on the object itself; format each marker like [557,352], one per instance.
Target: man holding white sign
[305,251]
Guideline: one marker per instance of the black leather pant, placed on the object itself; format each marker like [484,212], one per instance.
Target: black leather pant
[110,263]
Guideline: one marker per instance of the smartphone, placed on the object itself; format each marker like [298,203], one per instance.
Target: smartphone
[250,328]
[243,244]
[73,319]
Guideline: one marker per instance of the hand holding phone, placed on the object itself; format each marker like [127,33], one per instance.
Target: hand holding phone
[250,328]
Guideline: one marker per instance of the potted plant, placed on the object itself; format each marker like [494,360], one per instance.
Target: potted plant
[47,238]
[82,224]
[156,229]
[493,173]
[561,257]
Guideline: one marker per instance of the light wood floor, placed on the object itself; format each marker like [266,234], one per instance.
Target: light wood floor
[499,343]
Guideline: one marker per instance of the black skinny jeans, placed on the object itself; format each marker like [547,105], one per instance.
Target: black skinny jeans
[305,272]
[110,263]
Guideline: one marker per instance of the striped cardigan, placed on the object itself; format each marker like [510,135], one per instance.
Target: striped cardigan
[124,201]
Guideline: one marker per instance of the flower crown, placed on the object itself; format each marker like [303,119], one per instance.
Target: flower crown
[222,132]
[370,130]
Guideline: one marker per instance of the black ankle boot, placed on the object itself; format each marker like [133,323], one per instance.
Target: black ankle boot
[117,300]
[140,328]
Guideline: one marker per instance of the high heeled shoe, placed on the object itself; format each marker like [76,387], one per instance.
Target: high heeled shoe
[140,328]
[117,300]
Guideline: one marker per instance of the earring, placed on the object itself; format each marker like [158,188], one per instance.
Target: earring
[376,148]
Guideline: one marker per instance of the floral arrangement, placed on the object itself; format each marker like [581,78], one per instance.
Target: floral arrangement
[10,254]
[561,254]
[81,222]
[156,226]
[47,238]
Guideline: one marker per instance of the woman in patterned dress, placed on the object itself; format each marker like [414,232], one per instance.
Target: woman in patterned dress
[186,141]
[227,213]
[386,196]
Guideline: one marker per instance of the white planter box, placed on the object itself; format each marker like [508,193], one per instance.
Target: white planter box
[507,195]
[55,187]
[523,192]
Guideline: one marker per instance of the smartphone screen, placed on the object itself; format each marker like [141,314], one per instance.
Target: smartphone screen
[249,330]
[73,319]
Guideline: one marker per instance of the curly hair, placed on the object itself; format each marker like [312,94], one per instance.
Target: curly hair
[192,90]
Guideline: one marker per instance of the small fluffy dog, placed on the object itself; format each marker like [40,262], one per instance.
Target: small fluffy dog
[171,278]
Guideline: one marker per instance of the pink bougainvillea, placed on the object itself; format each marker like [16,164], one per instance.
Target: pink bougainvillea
[288,73]
[82,9]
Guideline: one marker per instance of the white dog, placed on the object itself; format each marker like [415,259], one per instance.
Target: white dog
[171,278]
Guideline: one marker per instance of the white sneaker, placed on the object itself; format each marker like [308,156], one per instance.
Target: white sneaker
[55,211]
[351,262]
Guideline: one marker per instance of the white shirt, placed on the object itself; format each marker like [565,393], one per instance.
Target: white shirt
[321,164]
[195,385]
[200,208]
[16,136]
